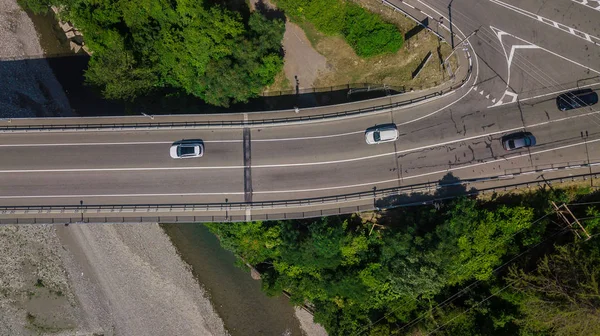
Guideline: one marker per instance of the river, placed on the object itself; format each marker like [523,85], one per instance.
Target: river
[237,298]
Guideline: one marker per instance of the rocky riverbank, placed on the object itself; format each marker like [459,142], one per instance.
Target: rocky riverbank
[28,87]
[98,280]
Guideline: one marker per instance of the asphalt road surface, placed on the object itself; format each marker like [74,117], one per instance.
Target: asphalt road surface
[524,53]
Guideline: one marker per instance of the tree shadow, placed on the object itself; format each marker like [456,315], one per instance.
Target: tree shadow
[447,188]
[87,101]
[269,12]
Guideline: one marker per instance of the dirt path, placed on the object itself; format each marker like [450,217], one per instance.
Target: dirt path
[302,63]
[131,281]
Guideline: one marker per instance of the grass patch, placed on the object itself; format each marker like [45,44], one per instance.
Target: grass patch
[394,69]
[30,318]
[280,83]
[39,283]
[366,32]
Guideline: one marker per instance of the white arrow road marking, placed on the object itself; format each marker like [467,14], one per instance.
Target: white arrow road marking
[510,56]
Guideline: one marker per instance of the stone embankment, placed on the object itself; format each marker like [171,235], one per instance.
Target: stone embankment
[74,36]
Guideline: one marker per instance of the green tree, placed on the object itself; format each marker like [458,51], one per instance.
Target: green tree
[365,32]
[195,47]
[561,296]
[476,239]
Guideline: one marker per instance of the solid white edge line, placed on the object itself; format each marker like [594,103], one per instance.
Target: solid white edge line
[303,164]
[316,189]
[421,175]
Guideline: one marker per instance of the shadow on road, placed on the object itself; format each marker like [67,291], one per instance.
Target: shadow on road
[448,187]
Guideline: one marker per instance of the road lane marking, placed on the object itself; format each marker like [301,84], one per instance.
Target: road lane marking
[555,93]
[394,180]
[588,4]
[123,195]
[106,143]
[525,154]
[301,164]
[578,33]
[362,131]
[509,59]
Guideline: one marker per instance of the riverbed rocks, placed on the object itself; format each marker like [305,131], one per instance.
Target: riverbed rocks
[74,36]
[28,87]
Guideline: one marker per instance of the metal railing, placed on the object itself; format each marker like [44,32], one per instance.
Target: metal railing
[224,124]
[350,87]
[166,213]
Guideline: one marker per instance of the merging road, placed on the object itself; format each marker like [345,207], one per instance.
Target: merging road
[524,54]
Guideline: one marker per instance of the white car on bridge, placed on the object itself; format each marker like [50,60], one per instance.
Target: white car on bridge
[381,133]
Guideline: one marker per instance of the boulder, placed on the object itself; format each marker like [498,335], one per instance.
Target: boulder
[74,46]
[70,34]
[65,26]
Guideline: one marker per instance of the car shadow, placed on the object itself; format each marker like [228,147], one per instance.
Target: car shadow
[188,141]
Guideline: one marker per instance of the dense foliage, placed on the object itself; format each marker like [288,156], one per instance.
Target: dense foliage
[366,32]
[198,47]
[392,280]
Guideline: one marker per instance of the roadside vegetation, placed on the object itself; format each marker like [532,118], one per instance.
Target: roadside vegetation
[365,31]
[501,266]
[344,65]
[202,48]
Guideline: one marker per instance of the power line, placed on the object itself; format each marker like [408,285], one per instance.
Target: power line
[453,297]
[499,291]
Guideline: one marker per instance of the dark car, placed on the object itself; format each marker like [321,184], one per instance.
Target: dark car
[518,140]
[576,99]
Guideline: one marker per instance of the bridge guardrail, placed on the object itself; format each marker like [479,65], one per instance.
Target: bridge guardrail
[375,194]
[222,124]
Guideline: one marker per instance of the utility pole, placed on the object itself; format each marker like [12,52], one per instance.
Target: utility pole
[450,22]
[588,157]
[460,43]
[565,213]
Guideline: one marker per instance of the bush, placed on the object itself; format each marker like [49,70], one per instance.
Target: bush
[368,34]
[365,31]
[193,47]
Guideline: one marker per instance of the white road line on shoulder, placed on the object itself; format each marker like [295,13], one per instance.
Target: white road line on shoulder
[588,4]
[301,164]
[308,190]
[421,175]
[75,144]
[578,33]
[123,195]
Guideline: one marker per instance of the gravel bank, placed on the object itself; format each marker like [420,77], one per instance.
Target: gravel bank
[98,280]
[35,295]
[130,278]
[28,87]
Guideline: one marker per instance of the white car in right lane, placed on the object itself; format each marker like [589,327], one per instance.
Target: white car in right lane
[381,133]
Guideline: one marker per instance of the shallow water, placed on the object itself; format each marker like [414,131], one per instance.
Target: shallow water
[237,298]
